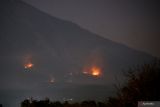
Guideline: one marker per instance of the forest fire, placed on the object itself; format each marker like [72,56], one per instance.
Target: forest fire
[52,80]
[28,65]
[93,71]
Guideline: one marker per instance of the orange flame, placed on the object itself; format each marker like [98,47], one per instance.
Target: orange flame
[28,65]
[95,71]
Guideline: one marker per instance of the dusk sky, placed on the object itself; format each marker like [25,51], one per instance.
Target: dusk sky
[135,23]
[73,49]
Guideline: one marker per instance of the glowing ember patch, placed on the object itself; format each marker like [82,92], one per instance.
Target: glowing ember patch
[52,80]
[29,65]
[85,72]
[95,71]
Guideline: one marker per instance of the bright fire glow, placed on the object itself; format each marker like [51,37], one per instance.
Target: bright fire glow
[28,65]
[95,71]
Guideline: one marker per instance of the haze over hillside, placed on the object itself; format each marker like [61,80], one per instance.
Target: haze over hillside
[61,53]
[133,23]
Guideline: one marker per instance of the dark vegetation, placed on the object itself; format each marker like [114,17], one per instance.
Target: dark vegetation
[142,85]
[47,103]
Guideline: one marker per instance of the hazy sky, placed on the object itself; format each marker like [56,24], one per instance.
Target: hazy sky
[132,22]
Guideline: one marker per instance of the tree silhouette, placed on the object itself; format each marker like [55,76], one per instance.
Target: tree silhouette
[142,85]
[25,103]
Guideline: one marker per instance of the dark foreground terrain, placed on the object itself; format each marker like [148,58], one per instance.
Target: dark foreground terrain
[141,85]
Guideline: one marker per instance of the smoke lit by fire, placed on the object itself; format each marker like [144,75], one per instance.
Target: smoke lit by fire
[52,80]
